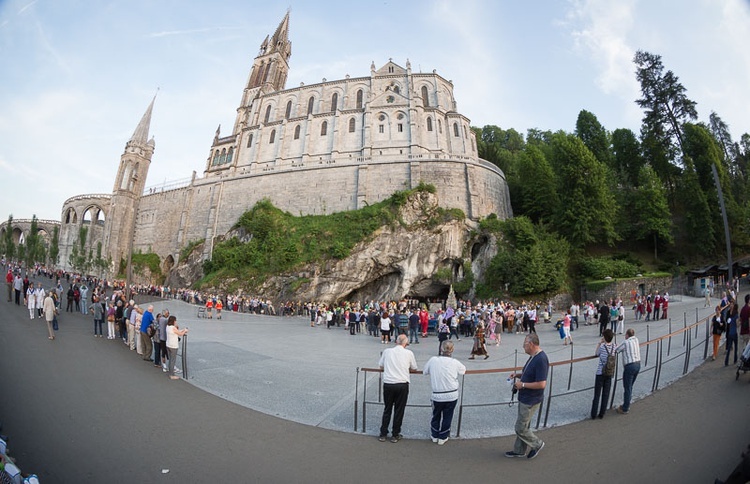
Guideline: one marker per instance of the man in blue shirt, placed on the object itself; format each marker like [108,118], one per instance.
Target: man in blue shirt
[530,384]
[146,321]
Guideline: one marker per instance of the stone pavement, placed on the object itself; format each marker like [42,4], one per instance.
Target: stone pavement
[83,409]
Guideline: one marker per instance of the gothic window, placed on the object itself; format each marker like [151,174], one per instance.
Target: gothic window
[272,138]
[352,125]
[425,98]
[359,99]
[466,134]
[440,127]
[296,132]
[223,157]
[390,69]
[288,112]
[215,161]
[324,128]
[334,101]
[396,89]
[429,123]
[381,128]
[310,104]
[230,153]
[268,114]
[250,140]
[400,128]
[455,130]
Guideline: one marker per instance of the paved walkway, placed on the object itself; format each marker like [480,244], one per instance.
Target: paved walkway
[83,409]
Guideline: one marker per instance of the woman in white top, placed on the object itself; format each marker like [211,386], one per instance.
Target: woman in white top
[173,342]
[385,328]
[31,300]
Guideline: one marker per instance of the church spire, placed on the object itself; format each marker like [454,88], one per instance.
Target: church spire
[140,135]
[280,41]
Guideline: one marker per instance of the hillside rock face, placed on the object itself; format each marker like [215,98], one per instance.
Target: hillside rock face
[397,261]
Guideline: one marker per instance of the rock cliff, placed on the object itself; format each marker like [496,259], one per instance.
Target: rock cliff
[418,257]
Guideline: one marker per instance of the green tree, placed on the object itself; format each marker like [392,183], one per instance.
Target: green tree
[54,247]
[627,160]
[537,195]
[587,210]
[594,136]
[8,246]
[651,218]
[34,247]
[78,259]
[695,219]
[664,101]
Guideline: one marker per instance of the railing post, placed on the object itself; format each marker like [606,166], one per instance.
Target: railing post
[687,353]
[648,338]
[460,406]
[364,404]
[570,372]
[669,343]
[356,393]
[684,327]
[184,357]
[705,346]
[549,397]
[657,366]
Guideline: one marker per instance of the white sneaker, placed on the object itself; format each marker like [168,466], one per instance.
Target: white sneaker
[442,441]
[435,440]
[177,370]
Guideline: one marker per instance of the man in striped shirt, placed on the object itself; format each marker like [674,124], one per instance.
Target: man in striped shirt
[631,360]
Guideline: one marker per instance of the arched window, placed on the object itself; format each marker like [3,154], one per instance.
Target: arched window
[455,130]
[352,125]
[250,140]
[268,114]
[324,128]
[425,98]
[429,123]
[230,153]
[223,157]
[334,102]
[466,133]
[360,94]
[296,132]
[272,138]
[397,90]
[217,156]
[288,112]
[310,104]
[440,127]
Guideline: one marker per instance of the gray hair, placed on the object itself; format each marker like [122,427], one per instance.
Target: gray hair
[446,348]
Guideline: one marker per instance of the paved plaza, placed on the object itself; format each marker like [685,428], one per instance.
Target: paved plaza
[83,409]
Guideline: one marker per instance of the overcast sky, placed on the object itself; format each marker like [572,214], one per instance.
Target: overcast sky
[76,76]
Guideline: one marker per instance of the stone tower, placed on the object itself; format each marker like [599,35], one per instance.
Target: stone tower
[126,194]
[268,74]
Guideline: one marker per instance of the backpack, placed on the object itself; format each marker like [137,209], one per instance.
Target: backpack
[609,367]
[152,329]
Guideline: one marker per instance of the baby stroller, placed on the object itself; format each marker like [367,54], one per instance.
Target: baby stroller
[744,364]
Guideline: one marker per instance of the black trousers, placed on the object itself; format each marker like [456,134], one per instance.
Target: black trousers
[602,386]
[395,396]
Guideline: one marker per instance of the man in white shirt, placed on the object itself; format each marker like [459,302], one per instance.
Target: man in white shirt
[444,372]
[631,360]
[397,363]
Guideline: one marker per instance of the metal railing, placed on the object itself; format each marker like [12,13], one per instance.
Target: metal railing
[659,350]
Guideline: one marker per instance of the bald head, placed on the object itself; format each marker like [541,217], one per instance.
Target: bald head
[402,340]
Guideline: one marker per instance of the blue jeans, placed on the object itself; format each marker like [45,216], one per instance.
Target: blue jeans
[98,327]
[629,374]
[414,333]
[84,308]
[731,341]
[525,438]
[442,416]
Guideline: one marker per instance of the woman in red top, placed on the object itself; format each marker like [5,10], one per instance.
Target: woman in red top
[219,307]
[209,307]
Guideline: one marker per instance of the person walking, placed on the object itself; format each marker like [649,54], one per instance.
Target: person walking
[603,317]
[30,300]
[717,329]
[731,337]
[443,371]
[479,347]
[397,363]
[530,384]
[98,311]
[567,337]
[49,313]
[630,348]
[604,373]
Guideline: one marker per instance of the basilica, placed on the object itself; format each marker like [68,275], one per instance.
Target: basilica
[312,149]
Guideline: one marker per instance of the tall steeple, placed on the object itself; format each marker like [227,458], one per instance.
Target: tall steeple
[269,72]
[140,135]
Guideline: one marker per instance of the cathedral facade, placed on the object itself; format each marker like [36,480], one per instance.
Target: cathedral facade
[313,149]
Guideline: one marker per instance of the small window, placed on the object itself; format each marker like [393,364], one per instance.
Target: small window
[324,128]
[250,140]
[381,128]
[296,132]
[400,128]
[310,105]
[352,125]
[272,138]
[223,157]
[429,124]
[466,133]
[334,102]
[215,161]
[359,99]
[288,112]
[425,99]
[268,114]
[440,127]
[390,69]
[455,130]
[397,89]
[230,154]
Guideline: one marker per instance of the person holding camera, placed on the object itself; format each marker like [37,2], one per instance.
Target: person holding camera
[530,384]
